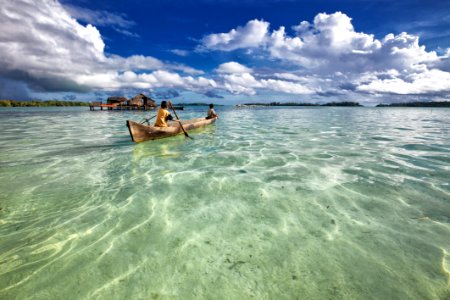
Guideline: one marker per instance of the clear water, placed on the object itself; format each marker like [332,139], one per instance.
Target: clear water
[285,203]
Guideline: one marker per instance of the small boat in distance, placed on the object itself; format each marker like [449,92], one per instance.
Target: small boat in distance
[141,133]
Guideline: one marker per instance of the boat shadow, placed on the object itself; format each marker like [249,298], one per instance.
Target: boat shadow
[167,147]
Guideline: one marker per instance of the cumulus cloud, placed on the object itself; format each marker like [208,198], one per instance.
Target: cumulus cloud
[331,48]
[285,86]
[232,67]
[331,44]
[241,83]
[155,79]
[238,79]
[44,41]
[248,84]
[288,76]
[46,47]
[251,35]
[427,82]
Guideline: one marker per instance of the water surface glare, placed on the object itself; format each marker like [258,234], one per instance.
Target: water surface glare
[269,203]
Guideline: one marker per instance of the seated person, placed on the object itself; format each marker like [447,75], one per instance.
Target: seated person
[163,116]
[211,112]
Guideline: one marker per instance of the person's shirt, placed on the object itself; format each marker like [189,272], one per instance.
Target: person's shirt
[161,118]
[211,113]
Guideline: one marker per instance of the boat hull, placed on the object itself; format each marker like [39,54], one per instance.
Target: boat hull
[141,133]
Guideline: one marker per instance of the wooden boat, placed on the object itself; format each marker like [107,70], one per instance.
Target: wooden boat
[141,133]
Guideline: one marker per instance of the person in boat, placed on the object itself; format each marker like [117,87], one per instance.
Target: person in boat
[211,112]
[163,116]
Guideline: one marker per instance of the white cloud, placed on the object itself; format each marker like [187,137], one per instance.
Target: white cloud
[233,67]
[251,35]
[243,83]
[332,49]
[156,79]
[427,82]
[126,32]
[291,77]
[331,44]
[43,40]
[118,21]
[180,52]
[99,17]
[134,62]
[42,44]
[286,87]
[184,69]
[238,80]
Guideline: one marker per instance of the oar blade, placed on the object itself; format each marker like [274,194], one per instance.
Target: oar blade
[181,125]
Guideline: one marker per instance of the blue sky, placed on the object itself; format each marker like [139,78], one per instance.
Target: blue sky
[226,51]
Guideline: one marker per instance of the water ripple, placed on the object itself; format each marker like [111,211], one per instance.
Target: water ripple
[325,202]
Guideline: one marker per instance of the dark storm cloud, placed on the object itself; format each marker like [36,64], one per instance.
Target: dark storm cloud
[348,86]
[44,83]
[70,97]
[13,90]
[212,94]
[166,94]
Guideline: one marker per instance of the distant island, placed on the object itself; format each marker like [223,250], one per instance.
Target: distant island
[47,103]
[418,104]
[14,103]
[196,104]
[344,103]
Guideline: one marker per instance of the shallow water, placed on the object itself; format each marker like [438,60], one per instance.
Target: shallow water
[268,203]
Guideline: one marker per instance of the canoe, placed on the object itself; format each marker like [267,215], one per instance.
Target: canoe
[141,133]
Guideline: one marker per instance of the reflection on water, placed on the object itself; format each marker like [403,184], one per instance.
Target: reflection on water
[314,203]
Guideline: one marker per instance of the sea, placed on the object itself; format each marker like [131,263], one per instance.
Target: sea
[267,203]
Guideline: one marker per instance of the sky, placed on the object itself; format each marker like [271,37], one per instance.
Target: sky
[227,52]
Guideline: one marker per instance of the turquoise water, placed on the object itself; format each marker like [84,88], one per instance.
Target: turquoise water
[281,203]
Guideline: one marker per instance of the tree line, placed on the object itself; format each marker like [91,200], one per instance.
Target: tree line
[344,103]
[418,104]
[15,103]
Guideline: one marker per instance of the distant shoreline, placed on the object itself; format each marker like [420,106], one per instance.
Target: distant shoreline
[352,104]
[343,103]
[417,104]
[196,104]
[60,103]
[51,103]
[35,103]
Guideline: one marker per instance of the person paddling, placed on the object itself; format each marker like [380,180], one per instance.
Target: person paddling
[211,112]
[163,116]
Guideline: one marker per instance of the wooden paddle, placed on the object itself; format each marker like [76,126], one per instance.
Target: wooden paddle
[147,120]
[182,128]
